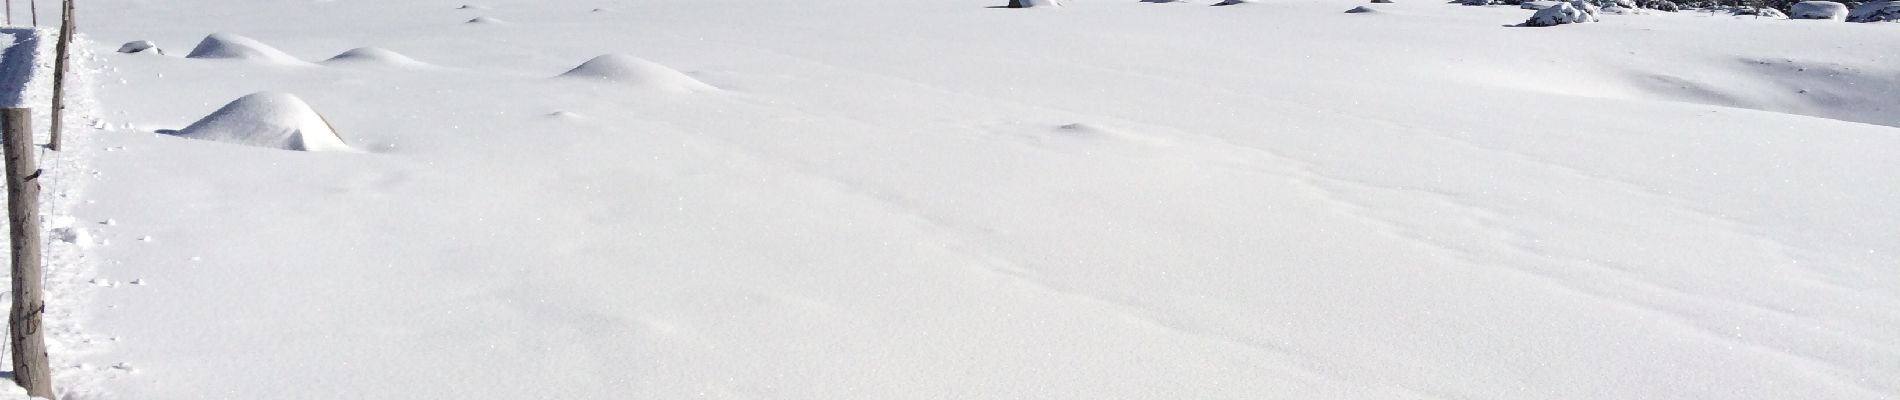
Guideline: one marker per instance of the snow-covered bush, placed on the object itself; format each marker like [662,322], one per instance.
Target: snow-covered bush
[1819,10]
[1745,11]
[1575,12]
[1876,11]
[1662,5]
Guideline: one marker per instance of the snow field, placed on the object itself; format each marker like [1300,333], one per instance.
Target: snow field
[1109,199]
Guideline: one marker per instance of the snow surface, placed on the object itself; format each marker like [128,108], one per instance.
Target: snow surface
[943,199]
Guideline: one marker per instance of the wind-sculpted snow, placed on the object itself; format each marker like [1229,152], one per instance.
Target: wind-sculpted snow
[1115,199]
[270,120]
[237,47]
[634,71]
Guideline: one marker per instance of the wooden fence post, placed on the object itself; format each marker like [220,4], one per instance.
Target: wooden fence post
[30,368]
[59,74]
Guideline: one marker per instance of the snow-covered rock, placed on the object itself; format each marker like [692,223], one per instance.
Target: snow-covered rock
[1562,13]
[1876,11]
[1381,1]
[268,119]
[1233,2]
[235,47]
[634,71]
[1361,10]
[1034,3]
[1538,5]
[1819,10]
[141,46]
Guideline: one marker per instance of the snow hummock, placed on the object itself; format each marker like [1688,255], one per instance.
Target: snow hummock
[1819,10]
[486,20]
[268,119]
[373,56]
[1575,12]
[1361,10]
[1876,11]
[236,47]
[635,71]
[1234,2]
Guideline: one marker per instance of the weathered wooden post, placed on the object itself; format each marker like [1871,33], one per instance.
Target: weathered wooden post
[23,217]
[59,74]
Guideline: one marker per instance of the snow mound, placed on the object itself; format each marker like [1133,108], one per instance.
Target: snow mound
[236,47]
[1563,13]
[1818,10]
[1233,2]
[1361,10]
[472,7]
[1876,11]
[1538,5]
[626,69]
[1034,3]
[1381,1]
[486,20]
[141,46]
[268,119]
[373,56]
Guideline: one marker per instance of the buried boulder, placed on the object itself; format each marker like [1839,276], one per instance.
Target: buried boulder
[268,119]
[141,46]
[634,71]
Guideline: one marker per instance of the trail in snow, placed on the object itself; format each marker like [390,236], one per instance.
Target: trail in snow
[71,280]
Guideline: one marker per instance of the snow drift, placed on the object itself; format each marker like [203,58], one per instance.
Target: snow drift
[373,56]
[268,119]
[634,71]
[235,47]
